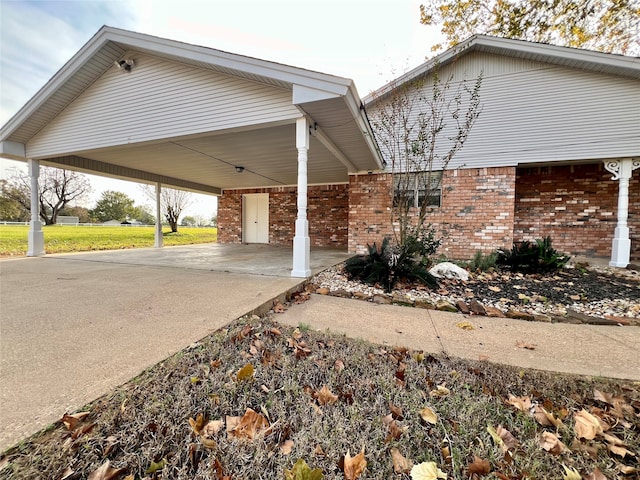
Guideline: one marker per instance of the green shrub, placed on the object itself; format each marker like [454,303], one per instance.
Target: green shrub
[387,264]
[482,262]
[528,257]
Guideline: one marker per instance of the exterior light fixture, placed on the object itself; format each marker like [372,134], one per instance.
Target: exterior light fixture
[239,169]
[125,64]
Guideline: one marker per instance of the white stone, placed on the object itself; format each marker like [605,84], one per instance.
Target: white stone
[449,270]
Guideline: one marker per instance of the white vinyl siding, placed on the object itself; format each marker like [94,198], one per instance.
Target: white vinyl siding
[536,113]
[159,99]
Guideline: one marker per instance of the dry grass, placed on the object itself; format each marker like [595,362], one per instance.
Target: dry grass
[147,419]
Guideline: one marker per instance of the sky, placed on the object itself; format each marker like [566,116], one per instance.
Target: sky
[368,41]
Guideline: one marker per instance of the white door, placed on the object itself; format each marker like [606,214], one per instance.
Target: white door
[255,214]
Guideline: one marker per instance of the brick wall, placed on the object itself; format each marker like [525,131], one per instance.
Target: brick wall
[369,210]
[577,206]
[327,211]
[476,211]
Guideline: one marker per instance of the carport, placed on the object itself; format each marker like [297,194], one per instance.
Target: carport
[158,111]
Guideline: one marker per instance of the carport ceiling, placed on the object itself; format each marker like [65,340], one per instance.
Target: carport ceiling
[268,156]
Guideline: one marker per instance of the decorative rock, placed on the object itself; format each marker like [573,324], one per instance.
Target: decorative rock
[426,304]
[361,295]
[400,299]
[477,308]
[381,299]
[449,270]
[493,312]
[446,306]
[322,291]
[515,314]
[463,307]
[341,293]
[623,320]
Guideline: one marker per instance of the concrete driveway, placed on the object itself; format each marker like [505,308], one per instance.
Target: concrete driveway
[72,327]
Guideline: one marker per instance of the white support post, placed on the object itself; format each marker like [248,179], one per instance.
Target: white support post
[158,233]
[35,246]
[301,241]
[621,244]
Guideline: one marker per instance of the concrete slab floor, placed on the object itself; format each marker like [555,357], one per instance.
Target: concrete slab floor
[254,259]
[72,327]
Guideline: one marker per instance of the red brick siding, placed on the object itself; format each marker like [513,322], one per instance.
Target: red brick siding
[369,210]
[476,211]
[327,211]
[577,206]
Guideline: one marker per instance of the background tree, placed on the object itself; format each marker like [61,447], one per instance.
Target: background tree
[81,212]
[58,188]
[142,214]
[188,221]
[605,25]
[172,203]
[113,205]
[10,209]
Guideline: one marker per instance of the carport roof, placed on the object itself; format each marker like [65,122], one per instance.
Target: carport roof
[342,138]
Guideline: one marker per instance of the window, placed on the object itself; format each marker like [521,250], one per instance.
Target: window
[417,188]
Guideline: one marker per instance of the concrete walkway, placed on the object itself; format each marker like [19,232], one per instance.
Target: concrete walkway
[72,327]
[581,349]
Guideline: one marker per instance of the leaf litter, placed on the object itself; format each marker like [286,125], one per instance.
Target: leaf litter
[321,396]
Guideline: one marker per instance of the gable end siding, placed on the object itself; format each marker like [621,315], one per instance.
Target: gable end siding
[158,99]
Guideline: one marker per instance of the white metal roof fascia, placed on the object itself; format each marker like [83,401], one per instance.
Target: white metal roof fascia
[359,112]
[554,53]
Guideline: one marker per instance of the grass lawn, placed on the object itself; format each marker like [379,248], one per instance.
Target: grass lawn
[316,396]
[68,238]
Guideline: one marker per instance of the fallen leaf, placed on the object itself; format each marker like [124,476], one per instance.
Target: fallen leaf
[197,424]
[339,365]
[72,421]
[570,473]
[318,451]
[156,466]
[479,466]
[587,426]
[528,346]
[105,472]
[249,426]
[400,463]
[619,450]
[521,403]
[495,289]
[396,412]
[551,443]
[353,467]
[395,430]
[440,391]
[507,438]
[245,372]
[302,471]
[628,470]
[212,427]
[427,471]
[595,475]
[278,308]
[429,416]
[545,418]
[465,325]
[286,447]
[325,396]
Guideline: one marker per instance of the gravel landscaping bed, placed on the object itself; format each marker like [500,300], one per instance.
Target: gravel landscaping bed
[575,294]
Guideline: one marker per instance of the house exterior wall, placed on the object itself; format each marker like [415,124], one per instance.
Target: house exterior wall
[327,212]
[577,206]
[158,99]
[476,212]
[534,112]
